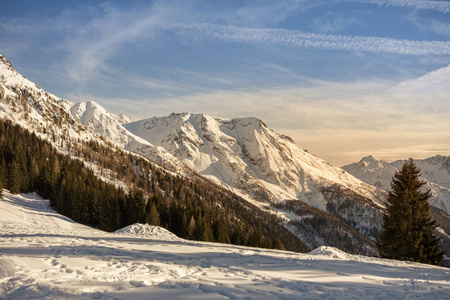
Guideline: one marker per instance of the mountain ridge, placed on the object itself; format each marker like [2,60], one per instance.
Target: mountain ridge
[266,156]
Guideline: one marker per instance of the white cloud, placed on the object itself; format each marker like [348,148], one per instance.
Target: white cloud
[331,22]
[441,6]
[440,27]
[100,40]
[302,39]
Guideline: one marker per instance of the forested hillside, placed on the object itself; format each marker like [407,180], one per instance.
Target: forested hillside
[189,207]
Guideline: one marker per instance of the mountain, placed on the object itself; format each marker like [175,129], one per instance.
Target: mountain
[52,118]
[243,154]
[96,118]
[267,168]
[45,255]
[435,171]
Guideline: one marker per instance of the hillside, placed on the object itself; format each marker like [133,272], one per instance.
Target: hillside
[46,255]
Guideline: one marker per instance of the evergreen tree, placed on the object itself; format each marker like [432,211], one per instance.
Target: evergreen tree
[136,207]
[238,237]
[221,231]
[15,178]
[277,244]
[152,215]
[407,232]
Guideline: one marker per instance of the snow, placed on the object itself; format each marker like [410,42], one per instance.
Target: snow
[44,255]
[244,154]
[109,126]
[79,121]
[147,231]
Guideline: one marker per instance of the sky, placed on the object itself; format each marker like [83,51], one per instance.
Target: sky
[343,78]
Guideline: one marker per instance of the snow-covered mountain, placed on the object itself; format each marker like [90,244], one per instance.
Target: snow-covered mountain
[44,255]
[109,126]
[244,155]
[434,170]
[53,118]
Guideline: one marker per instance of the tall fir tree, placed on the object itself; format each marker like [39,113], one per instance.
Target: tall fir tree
[152,214]
[407,232]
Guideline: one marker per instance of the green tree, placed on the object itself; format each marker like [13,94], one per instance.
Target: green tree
[407,232]
[221,231]
[152,215]
[136,207]
[277,244]
[15,178]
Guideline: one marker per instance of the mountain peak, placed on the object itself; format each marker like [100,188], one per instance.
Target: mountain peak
[369,159]
[5,61]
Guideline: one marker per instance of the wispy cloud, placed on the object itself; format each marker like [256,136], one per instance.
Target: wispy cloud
[302,39]
[101,38]
[441,6]
[332,22]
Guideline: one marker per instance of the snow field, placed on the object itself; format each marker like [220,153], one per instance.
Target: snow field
[47,256]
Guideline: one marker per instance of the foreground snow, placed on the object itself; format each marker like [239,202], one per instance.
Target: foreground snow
[46,255]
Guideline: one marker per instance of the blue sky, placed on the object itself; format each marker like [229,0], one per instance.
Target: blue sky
[344,78]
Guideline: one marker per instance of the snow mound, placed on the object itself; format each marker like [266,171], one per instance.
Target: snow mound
[148,231]
[7,268]
[330,252]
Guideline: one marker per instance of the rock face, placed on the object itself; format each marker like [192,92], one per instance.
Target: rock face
[434,170]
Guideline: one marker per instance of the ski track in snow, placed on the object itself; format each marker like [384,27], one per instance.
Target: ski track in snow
[44,255]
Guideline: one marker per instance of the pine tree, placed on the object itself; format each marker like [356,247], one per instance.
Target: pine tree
[152,215]
[277,244]
[15,178]
[407,232]
[221,231]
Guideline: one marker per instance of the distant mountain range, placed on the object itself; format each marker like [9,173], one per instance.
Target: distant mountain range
[435,171]
[320,203]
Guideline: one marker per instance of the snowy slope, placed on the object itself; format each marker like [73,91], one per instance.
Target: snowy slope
[243,153]
[100,121]
[52,118]
[26,104]
[434,170]
[44,255]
